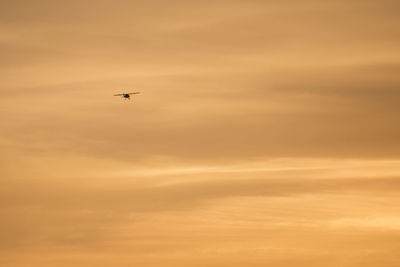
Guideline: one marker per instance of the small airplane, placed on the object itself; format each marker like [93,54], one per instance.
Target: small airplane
[127,95]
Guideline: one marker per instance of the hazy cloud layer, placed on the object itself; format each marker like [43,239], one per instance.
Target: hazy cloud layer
[266,133]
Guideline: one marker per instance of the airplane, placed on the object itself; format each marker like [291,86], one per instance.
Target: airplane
[127,95]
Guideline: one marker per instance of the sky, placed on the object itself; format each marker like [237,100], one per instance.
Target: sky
[266,133]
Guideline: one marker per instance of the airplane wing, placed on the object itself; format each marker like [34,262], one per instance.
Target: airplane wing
[118,94]
[133,93]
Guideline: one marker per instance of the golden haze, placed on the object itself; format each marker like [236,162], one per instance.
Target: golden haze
[266,133]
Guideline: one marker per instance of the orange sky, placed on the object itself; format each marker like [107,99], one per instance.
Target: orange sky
[266,133]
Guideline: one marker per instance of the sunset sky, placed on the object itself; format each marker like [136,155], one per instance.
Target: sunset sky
[267,133]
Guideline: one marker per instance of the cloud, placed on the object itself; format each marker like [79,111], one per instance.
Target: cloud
[191,173]
[351,112]
[85,212]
